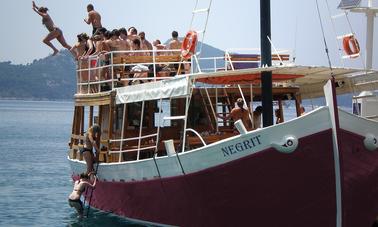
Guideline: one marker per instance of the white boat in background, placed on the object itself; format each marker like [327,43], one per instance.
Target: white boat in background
[167,159]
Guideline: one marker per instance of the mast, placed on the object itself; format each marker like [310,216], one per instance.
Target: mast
[266,59]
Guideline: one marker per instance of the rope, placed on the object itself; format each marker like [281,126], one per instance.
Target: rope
[335,34]
[324,39]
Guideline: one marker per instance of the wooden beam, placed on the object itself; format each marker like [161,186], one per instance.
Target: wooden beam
[90,115]
[281,110]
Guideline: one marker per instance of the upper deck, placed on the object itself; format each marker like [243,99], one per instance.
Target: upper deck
[98,75]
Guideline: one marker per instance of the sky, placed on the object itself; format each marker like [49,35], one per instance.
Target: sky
[232,24]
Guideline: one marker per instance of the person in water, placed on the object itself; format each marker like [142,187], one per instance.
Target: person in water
[93,134]
[54,31]
[79,188]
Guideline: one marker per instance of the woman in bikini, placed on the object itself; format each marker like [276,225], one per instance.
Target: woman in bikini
[54,32]
[93,134]
[79,188]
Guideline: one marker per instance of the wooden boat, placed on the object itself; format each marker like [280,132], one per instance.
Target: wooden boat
[166,159]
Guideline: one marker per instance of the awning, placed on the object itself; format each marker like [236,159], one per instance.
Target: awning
[173,88]
[310,79]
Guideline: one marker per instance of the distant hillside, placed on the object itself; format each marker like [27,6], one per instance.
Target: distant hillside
[50,78]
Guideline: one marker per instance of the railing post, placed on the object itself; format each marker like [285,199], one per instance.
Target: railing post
[89,74]
[140,129]
[154,62]
[79,75]
[122,133]
[112,69]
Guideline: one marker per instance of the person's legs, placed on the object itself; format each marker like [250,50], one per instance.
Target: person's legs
[88,157]
[78,205]
[52,35]
[62,41]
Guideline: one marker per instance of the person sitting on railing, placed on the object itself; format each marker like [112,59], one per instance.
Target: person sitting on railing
[54,31]
[144,44]
[238,113]
[79,187]
[91,136]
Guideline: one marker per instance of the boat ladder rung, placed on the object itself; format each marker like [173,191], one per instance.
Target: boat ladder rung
[338,15]
[351,56]
[201,10]
[167,118]
[343,36]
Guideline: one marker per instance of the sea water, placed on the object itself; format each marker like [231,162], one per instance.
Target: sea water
[34,172]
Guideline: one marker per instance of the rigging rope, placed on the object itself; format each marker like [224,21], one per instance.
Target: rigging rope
[324,39]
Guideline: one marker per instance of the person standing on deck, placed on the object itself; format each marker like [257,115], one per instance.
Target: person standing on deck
[93,18]
[79,188]
[144,43]
[91,136]
[257,117]
[238,113]
[175,43]
[54,31]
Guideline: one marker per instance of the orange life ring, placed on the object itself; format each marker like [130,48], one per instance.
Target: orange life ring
[351,46]
[188,46]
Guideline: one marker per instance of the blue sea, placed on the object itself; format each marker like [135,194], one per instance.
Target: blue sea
[34,172]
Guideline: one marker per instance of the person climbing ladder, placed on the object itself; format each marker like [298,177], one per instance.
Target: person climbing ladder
[79,187]
[91,137]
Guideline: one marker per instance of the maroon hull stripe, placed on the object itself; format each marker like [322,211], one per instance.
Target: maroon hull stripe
[360,187]
[268,188]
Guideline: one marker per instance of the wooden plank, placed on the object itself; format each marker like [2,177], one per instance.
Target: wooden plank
[77,137]
[168,58]
[136,59]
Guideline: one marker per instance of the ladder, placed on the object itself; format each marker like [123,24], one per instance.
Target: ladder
[209,109]
[340,37]
[211,103]
[199,11]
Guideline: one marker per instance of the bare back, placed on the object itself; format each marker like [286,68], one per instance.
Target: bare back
[48,22]
[174,44]
[95,19]
[243,114]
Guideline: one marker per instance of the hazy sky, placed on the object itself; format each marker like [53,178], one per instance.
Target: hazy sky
[232,24]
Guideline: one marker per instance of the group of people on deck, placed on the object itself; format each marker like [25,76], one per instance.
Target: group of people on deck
[103,40]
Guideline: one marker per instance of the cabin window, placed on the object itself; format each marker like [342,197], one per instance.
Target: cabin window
[165,108]
[134,112]
[356,108]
